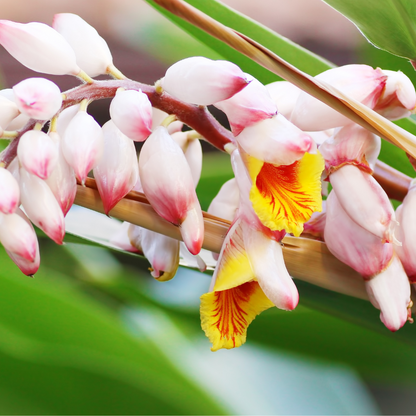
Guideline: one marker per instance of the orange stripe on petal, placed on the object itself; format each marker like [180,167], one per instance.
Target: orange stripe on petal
[225,315]
[284,197]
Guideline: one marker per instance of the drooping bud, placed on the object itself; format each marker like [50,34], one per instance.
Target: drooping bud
[202,81]
[29,268]
[389,291]
[249,106]
[91,50]
[360,82]
[9,192]
[121,239]
[275,140]
[38,47]
[117,171]
[398,97]
[18,236]
[131,112]
[38,98]
[41,206]
[83,144]
[161,251]
[62,181]
[167,183]
[37,153]
[365,201]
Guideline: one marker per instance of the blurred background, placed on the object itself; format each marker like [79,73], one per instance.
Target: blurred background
[93,333]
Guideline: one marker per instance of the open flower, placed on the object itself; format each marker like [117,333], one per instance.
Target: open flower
[250,276]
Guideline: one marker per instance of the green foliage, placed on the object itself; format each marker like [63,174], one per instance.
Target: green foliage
[388,24]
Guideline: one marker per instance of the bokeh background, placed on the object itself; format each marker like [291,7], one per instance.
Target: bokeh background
[93,333]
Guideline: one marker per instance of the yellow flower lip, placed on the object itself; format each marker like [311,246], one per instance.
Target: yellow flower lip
[284,197]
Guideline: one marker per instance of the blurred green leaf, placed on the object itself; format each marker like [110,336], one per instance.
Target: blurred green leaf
[388,24]
[70,355]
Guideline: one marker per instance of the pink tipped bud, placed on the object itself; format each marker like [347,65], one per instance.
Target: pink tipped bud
[284,94]
[352,244]
[62,181]
[161,251]
[360,82]
[167,182]
[365,201]
[118,170]
[37,153]
[225,204]
[83,144]
[389,291]
[38,47]
[131,112]
[41,206]
[275,140]
[202,81]
[9,192]
[17,235]
[28,267]
[398,97]
[121,239]
[38,98]
[249,106]
[91,50]
[351,144]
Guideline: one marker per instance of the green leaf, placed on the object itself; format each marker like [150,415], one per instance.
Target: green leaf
[70,355]
[388,24]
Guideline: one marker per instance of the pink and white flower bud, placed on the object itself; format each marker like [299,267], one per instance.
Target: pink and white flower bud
[365,201]
[225,204]
[41,206]
[9,192]
[65,117]
[91,50]
[38,47]
[275,140]
[406,233]
[315,227]
[157,118]
[161,251]
[249,106]
[192,149]
[131,112]
[284,94]
[38,98]
[117,171]
[352,244]
[398,97]
[83,144]
[18,236]
[202,81]
[389,292]
[62,181]
[29,268]
[167,183]
[37,153]
[351,144]
[8,112]
[360,82]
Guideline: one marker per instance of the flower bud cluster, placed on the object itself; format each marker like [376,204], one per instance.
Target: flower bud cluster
[282,143]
